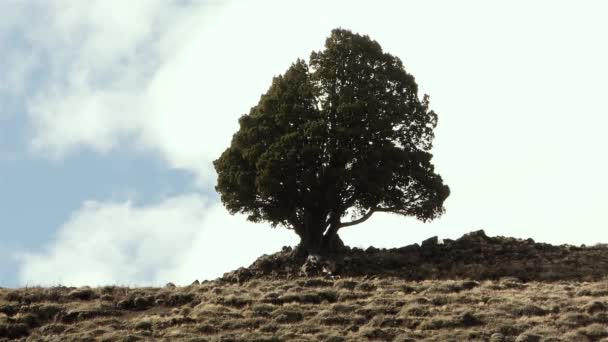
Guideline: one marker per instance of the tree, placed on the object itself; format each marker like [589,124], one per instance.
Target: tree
[331,143]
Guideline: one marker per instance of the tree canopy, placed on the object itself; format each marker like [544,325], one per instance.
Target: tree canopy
[332,142]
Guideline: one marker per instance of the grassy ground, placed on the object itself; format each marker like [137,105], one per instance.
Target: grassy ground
[312,309]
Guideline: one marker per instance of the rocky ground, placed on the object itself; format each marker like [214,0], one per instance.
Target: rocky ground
[476,288]
[473,256]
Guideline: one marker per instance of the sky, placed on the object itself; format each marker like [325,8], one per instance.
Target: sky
[111,113]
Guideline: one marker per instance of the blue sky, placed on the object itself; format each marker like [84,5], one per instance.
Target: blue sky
[111,113]
[39,194]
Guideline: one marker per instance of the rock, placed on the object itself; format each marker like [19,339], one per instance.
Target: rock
[478,234]
[430,242]
[267,264]
[243,274]
[239,275]
[409,249]
[170,286]
[196,282]
[497,337]
[84,293]
[312,266]
[528,337]
[371,249]
[332,267]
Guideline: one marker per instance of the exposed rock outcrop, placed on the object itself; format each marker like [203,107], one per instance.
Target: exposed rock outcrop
[475,255]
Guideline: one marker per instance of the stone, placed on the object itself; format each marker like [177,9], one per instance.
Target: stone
[475,234]
[84,293]
[312,266]
[432,241]
[239,275]
[371,249]
[497,337]
[170,286]
[409,249]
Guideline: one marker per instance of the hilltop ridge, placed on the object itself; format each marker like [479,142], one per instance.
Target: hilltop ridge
[475,288]
[475,256]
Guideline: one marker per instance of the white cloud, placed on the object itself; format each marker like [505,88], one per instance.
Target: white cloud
[179,239]
[172,79]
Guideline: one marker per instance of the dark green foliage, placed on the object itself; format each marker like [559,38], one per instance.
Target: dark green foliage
[346,135]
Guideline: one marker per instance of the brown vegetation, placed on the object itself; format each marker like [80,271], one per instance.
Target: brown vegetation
[312,309]
[283,305]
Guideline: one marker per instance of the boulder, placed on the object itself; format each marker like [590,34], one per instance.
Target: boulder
[239,275]
[478,234]
[497,337]
[432,241]
[414,248]
[312,266]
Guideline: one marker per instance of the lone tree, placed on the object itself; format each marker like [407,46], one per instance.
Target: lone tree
[331,143]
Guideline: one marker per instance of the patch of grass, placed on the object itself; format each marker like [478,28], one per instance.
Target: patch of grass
[315,309]
[594,331]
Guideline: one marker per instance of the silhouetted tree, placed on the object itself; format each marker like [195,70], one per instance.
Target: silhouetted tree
[345,136]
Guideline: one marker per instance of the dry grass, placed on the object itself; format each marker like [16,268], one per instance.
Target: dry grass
[314,309]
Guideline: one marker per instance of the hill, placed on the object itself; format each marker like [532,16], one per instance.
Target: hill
[476,288]
[474,256]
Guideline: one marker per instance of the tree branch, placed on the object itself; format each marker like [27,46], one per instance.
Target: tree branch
[359,220]
[366,216]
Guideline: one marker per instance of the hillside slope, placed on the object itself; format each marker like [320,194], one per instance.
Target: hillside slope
[523,299]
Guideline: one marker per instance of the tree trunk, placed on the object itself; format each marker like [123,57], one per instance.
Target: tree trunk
[314,242]
[310,244]
[331,244]
[312,239]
